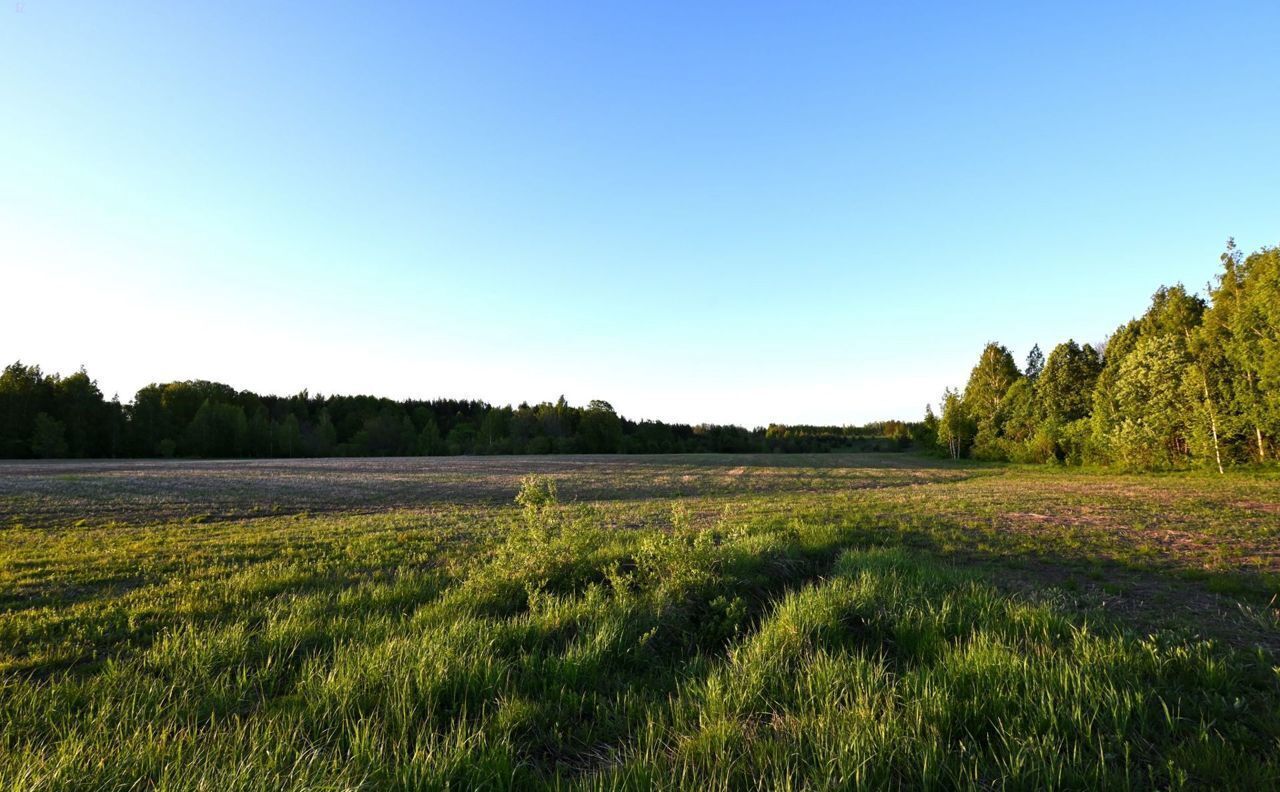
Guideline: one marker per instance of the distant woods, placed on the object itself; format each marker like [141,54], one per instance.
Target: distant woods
[1193,381]
[52,416]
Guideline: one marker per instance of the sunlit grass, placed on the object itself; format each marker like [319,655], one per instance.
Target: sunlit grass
[815,638]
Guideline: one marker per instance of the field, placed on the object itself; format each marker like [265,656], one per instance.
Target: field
[701,622]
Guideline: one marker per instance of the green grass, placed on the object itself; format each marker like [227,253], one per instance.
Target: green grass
[716,623]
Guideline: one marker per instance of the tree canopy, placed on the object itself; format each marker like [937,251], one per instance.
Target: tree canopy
[1191,381]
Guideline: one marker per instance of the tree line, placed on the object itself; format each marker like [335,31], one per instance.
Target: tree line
[54,416]
[1193,381]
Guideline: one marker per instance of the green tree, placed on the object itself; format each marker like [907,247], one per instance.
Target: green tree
[1224,388]
[389,433]
[1173,313]
[1106,417]
[1035,363]
[1065,388]
[218,430]
[600,429]
[957,427]
[989,381]
[48,438]
[1154,404]
[1255,347]
[429,440]
[325,437]
[259,433]
[24,393]
[287,435]
[148,423]
[461,439]
[1118,431]
[1019,421]
[1224,356]
[80,407]
[495,431]
[925,433]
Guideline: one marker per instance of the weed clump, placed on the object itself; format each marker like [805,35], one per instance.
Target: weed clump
[537,496]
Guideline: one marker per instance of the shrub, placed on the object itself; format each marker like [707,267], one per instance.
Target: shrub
[537,495]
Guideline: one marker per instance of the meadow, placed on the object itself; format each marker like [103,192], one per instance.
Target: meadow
[630,622]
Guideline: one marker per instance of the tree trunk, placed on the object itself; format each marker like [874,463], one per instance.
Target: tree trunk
[1213,421]
[1257,429]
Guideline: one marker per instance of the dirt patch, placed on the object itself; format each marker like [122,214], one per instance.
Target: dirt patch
[1083,518]
[1259,506]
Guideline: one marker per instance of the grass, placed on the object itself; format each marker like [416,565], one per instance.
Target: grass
[701,623]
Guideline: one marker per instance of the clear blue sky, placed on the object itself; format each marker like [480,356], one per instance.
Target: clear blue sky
[729,212]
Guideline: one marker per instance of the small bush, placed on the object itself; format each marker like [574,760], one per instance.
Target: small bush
[537,494]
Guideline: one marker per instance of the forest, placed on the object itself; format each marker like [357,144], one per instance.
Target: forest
[1193,381]
[55,416]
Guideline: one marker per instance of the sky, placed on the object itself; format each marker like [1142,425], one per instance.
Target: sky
[705,212]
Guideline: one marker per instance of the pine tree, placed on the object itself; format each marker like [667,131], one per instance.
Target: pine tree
[1035,363]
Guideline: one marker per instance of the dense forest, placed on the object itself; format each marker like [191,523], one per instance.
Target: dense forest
[1193,381]
[52,416]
